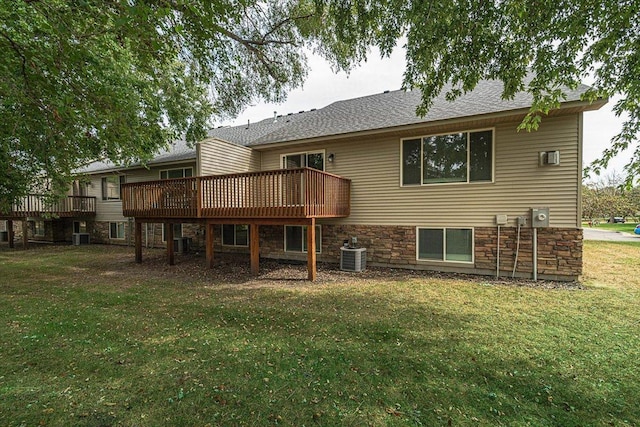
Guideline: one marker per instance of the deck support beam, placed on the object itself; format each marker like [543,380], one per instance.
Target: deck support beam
[25,234]
[10,234]
[171,259]
[209,243]
[254,237]
[311,250]
[138,241]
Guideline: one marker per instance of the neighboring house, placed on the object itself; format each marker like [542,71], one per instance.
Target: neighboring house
[441,192]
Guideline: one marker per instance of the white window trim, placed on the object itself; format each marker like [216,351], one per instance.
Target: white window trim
[175,169]
[306,153]
[467,182]
[444,245]
[235,245]
[164,240]
[124,236]
[318,238]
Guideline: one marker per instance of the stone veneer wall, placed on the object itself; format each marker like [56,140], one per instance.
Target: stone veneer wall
[559,249]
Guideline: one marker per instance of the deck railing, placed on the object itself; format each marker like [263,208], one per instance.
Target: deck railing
[38,205]
[282,193]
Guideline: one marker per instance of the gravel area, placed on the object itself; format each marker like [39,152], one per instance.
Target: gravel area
[235,269]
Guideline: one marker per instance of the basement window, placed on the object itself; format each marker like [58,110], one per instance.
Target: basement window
[445,244]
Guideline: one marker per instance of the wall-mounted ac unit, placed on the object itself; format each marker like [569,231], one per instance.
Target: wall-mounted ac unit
[80,239]
[353,259]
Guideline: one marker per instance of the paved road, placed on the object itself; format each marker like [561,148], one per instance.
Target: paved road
[612,236]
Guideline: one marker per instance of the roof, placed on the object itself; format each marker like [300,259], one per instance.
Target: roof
[396,109]
[178,151]
[386,110]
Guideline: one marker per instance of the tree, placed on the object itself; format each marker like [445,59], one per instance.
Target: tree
[605,198]
[562,42]
[116,80]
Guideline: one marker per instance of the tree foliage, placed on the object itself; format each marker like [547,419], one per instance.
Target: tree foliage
[605,198]
[118,79]
[562,42]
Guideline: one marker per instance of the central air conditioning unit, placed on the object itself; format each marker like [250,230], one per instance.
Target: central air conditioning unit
[353,259]
[182,245]
[80,239]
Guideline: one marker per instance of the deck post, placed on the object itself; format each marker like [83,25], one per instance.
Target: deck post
[311,249]
[10,233]
[209,242]
[254,238]
[169,238]
[25,233]
[138,240]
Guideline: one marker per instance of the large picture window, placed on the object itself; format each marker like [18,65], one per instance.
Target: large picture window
[445,244]
[295,238]
[111,187]
[455,157]
[235,235]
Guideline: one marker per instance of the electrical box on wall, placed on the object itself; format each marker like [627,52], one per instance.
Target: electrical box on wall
[501,220]
[549,158]
[539,217]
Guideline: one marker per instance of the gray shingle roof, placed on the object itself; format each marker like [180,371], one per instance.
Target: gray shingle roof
[367,113]
[178,151]
[397,108]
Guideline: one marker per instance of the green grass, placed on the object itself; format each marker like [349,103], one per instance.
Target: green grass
[89,338]
[627,227]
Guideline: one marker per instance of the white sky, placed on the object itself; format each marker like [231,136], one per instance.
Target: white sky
[323,87]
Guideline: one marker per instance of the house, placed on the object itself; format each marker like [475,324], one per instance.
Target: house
[459,190]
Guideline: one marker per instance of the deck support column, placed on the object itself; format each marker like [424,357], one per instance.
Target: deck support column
[10,234]
[311,250]
[169,238]
[138,241]
[25,234]
[254,238]
[209,243]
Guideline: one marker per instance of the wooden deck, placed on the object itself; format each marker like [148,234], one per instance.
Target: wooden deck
[38,206]
[283,196]
[276,194]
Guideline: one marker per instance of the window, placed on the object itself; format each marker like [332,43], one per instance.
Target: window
[177,231]
[38,228]
[79,226]
[116,230]
[455,157]
[445,244]
[295,238]
[176,173]
[235,235]
[111,187]
[313,160]
[3,226]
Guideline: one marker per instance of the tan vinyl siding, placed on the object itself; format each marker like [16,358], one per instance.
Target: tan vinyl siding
[111,210]
[377,197]
[219,158]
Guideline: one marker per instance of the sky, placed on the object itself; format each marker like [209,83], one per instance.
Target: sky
[324,87]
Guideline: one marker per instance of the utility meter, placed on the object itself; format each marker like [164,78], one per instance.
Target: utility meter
[539,217]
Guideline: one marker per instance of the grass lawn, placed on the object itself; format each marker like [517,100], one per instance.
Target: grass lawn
[627,227]
[89,338]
